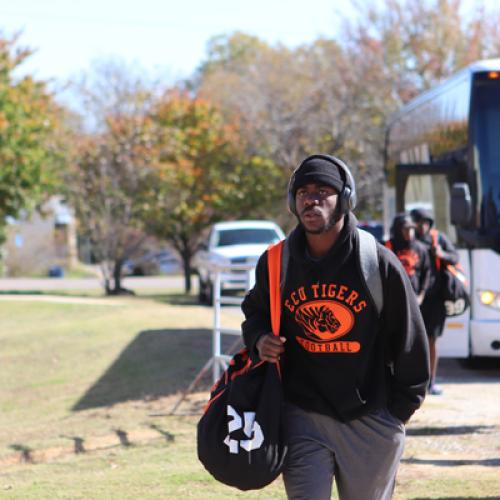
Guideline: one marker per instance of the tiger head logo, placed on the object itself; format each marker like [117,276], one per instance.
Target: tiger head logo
[324,320]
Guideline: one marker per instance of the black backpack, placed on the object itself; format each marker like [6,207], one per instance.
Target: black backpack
[453,290]
[453,284]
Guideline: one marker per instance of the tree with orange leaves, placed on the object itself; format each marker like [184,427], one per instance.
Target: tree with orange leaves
[203,174]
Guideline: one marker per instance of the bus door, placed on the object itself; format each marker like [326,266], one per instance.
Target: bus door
[431,191]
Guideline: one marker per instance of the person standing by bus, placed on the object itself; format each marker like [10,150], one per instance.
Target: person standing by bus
[412,254]
[352,375]
[441,252]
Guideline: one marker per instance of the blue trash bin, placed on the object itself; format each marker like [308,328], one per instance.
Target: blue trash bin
[56,272]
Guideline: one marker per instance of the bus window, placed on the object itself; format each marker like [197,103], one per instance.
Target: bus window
[486,120]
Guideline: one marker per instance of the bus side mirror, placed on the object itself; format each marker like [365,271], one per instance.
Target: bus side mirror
[460,204]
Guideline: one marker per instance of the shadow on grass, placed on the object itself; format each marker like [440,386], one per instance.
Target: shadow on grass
[448,431]
[25,453]
[182,299]
[155,364]
[78,443]
[487,462]
[174,299]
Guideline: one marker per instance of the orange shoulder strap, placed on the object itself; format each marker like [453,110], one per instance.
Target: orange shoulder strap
[274,269]
[434,235]
[435,241]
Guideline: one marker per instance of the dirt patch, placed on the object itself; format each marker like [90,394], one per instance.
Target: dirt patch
[456,435]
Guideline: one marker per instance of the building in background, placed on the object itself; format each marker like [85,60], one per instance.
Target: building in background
[41,243]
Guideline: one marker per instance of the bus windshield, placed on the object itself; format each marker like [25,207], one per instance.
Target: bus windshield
[486,142]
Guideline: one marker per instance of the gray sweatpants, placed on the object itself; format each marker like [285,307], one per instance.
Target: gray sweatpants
[363,455]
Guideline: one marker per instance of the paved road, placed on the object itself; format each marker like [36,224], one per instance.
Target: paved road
[35,284]
[485,370]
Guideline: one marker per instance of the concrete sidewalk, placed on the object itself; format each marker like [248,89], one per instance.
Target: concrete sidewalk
[39,284]
[58,299]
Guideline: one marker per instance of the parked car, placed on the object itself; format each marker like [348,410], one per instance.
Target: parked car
[152,263]
[237,242]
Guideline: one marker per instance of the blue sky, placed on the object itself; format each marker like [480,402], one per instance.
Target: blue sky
[165,37]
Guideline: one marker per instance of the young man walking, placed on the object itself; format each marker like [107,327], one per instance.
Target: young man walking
[411,253]
[352,377]
[441,252]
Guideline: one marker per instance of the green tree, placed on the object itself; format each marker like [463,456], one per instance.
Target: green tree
[109,179]
[267,90]
[336,95]
[203,175]
[112,163]
[30,124]
[291,103]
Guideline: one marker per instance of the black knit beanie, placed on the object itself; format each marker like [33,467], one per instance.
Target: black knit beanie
[419,214]
[318,170]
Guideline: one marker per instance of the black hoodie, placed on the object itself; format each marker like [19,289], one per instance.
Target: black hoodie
[342,359]
[415,259]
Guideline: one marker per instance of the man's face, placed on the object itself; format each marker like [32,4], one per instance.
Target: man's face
[423,227]
[408,233]
[315,205]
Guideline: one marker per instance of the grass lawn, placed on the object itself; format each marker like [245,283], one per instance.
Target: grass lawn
[85,393]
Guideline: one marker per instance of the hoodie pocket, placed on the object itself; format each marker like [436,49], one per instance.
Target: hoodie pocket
[351,402]
[384,416]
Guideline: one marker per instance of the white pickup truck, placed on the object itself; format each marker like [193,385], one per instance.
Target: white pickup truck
[232,243]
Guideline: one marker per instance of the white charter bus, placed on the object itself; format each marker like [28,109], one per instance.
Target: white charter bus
[443,153]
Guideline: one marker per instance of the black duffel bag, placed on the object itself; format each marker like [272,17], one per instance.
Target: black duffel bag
[240,435]
[240,439]
[454,291]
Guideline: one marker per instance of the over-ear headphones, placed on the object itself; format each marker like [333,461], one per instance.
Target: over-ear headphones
[346,198]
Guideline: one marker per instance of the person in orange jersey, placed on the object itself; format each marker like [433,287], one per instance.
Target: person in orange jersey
[412,254]
[354,355]
[441,251]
